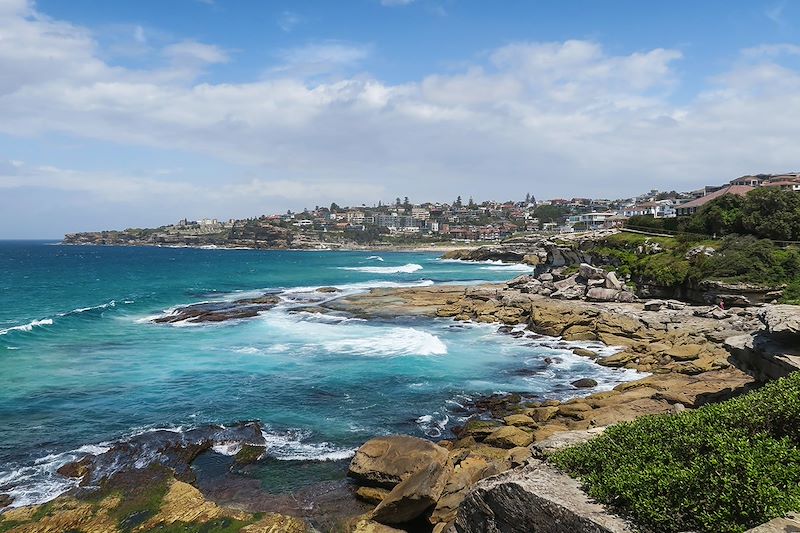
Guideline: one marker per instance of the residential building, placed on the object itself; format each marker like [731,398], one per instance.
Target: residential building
[691,208]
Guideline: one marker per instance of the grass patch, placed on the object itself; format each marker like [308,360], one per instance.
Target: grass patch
[725,467]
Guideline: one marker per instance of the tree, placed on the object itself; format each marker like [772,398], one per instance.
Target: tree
[528,198]
[471,203]
[457,203]
[397,201]
[406,203]
[335,208]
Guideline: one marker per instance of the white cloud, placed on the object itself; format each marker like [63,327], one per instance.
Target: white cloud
[560,118]
[320,58]
[288,20]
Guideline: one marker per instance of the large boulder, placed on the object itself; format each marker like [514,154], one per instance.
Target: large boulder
[781,320]
[413,496]
[465,474]
[387,461]
[534,499]
[509,437]
[601,294]
[588,271]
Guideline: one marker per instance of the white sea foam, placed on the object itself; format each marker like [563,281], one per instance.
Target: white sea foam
[404,269]
[389,342]
[375,258]
[79,310]
[433,425]
[290,446]
[29,326]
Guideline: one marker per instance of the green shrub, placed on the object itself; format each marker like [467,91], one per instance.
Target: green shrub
[723,468]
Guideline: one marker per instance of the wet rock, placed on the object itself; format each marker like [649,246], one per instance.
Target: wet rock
[249,454]
[328,289]
[173,450]
[584,383]
[75,469]
[508,437]
[5,500]
[220,311]
[413,496]
[387,461]
[583,352]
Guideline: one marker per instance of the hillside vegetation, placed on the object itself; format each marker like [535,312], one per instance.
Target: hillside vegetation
[725,467]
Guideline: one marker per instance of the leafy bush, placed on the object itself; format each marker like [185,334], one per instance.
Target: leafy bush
[751,260]
[725,467]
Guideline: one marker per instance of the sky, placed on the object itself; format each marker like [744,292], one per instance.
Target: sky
[138,113]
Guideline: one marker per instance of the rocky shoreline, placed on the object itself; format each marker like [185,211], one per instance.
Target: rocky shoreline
[410,484]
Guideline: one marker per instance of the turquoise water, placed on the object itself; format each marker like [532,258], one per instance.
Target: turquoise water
[82,364]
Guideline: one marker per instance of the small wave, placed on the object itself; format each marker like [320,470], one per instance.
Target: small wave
[433,425]
[80,310]
[375,258]
[405,269]
[29,326]
[289,446]
[396,341]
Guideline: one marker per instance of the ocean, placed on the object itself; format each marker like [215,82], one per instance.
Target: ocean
[82,364]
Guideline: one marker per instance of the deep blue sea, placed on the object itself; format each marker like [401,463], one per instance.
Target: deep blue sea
[82,364]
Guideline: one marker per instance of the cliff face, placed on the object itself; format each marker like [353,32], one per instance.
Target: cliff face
[253,234]
[652,269]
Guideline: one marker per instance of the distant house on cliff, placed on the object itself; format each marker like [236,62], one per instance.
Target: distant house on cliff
[691,208]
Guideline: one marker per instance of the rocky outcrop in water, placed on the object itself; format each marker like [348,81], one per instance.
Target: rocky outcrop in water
[220,311]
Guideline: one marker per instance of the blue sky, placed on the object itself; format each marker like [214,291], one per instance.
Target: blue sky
[138,113]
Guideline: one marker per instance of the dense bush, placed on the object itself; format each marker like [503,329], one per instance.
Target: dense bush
[723,468]
[750,260]
[766,213]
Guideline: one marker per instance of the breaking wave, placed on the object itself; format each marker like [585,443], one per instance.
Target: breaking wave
[404,269]
[27,327]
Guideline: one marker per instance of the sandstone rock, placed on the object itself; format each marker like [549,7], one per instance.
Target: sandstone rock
[277,523]
[413,496]
[565,439]
[509,437]
[386,461]
[465,474]
[685,352]
[584,383]
[5,500]
[519,456]
[328,289]
[368,526]
[574,410]
[478,429]
[675,305]
[618,359]
[249,454]
[583,352]
[626,297]
[599,294]
[534,499]
[374,495]
[520,280]
[543,414]
[519,420]
[546,276]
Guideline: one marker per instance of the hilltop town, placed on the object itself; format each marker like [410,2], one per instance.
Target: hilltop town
[403,223]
